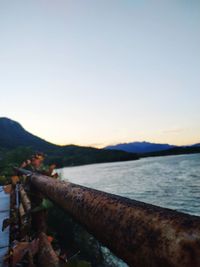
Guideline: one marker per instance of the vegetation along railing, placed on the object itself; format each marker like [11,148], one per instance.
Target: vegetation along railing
[140,234]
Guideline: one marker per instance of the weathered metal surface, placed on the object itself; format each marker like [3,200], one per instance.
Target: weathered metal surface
[4,213]
[141,234]
[46,255]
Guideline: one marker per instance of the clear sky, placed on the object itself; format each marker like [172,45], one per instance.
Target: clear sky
[102,72]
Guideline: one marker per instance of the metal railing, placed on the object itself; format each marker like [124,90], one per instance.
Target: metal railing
[141,234]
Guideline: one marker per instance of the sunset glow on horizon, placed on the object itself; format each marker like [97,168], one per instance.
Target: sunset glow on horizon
[97,73]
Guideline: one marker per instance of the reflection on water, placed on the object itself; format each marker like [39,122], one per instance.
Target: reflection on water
[172,181]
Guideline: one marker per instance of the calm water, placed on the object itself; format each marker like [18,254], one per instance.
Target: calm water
[172,181]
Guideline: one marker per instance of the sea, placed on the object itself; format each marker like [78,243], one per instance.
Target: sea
[170,181]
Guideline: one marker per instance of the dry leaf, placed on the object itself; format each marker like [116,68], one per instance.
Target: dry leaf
[22,248]
[15,179]
[50,238]
[19,252]
[7,188]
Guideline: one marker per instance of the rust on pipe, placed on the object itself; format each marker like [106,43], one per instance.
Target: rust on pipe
[140,234]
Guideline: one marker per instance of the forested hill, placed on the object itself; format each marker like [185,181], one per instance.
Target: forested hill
[13,135]
[16,144]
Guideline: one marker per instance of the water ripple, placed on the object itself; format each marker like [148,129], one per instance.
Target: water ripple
[171,182]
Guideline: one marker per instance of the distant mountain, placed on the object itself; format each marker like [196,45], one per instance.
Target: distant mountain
[140,147]
[196,145]
[16,143]
[146,149]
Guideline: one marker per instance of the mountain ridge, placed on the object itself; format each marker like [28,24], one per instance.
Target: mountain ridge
[17,144]
[140,147]
[146,147]
[16,141]
[12,134]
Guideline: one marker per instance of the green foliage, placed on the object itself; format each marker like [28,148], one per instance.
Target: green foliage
[11,158]
[76,155]
[4,180]
[45,205]
[62,156]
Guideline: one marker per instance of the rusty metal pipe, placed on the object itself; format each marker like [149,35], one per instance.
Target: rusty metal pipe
[143,235]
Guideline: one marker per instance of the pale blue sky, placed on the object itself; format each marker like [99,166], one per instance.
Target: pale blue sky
[102,72]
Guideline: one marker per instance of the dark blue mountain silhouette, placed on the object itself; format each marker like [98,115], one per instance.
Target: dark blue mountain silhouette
[141,147]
